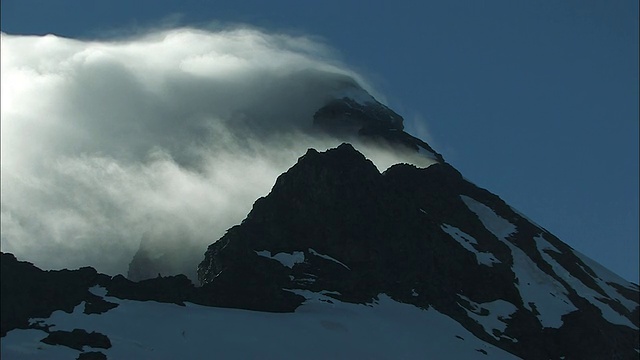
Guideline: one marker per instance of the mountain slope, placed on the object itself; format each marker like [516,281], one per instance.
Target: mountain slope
[321,328]
[426,237]
[356,255]
[340,260]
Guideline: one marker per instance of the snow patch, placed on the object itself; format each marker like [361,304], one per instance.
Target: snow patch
[539,290]
[328,292]
[586,292]
[497,225]
[468,242]
[543,244]
[98,290]
[321,328]
[542,294]
[605,276]
[327,257]
[286,259]
[491,315]
[308,279]
[25,344]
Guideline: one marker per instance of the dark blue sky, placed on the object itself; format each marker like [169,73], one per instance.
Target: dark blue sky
[536,101]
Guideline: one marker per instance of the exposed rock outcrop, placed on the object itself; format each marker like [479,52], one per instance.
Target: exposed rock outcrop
[28,292]
[77,339]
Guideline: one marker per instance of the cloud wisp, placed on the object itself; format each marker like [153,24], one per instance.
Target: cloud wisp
[170,137]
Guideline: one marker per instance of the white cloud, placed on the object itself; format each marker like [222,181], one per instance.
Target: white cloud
[170,136]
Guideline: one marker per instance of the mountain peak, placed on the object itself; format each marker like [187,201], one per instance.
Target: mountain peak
[336,233]
[335,225]
[368,119]
[345,113]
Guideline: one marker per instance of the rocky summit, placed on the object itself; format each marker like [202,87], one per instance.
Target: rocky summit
[370,120]
[353,116]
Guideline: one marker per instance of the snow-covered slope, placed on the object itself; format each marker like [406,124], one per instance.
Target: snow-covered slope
[322,328]
[548,290]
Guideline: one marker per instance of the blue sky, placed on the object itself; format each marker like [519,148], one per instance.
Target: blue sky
[536,101]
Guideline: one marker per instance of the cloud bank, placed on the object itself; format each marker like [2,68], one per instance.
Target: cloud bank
[166,138]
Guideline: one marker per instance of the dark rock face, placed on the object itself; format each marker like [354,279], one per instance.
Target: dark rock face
[337,203]
[28,292]
[347,114]
[334,223]
[77,339]
[373,121]
[92,355]
[98,305]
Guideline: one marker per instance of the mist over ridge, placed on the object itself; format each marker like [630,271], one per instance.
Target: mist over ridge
[170,137]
